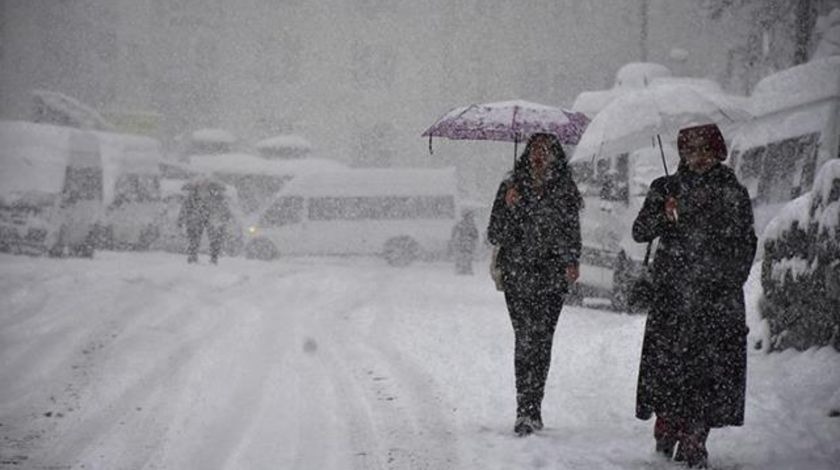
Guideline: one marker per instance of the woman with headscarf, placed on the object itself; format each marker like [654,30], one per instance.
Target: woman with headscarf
[535,226]
[692,374]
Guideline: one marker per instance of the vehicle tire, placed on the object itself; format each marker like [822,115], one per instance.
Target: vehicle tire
[261,249]
[401,251]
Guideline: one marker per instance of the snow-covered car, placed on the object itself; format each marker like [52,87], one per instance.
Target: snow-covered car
[800,271]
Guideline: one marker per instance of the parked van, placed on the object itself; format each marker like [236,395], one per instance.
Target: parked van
[400,214]
[795,130]
[51,182]
[81,189]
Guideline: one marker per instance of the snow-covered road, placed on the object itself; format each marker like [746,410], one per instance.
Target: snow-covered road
[134,361]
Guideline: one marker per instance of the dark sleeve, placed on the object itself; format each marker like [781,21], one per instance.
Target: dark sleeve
[651,221]
[739,244]
[498,231]
[571,232]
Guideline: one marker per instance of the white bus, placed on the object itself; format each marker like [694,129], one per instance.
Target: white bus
[400,214]
[795,130]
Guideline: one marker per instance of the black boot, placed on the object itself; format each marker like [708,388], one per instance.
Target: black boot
[524,426]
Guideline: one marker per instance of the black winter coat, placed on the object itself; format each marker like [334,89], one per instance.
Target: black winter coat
[693,363]
[540,235]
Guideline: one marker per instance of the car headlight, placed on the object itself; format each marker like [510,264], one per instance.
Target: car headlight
[252,230]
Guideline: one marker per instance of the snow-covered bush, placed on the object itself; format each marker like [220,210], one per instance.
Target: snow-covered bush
[801,267]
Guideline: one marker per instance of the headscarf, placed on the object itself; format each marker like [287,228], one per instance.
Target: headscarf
[711,135]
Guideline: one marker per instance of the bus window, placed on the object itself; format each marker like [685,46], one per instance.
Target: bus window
[136,188]
[284,211]
[751,163]
[381,207]
[808,150]
[82,184]
[777,178]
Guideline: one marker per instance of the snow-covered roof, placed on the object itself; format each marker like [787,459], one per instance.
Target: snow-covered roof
[284,141]
[806,83]
[637,75]
[243,163]
[213,136]
[374,182]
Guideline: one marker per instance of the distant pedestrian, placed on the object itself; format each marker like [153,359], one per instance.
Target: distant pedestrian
[204,209]
[535,226]
[692,374]
[463,242]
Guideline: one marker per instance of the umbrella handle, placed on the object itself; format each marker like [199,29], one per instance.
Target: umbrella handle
[430,145]
[515,145]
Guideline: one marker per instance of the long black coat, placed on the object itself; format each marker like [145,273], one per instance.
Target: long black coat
[693,363]
[540,235]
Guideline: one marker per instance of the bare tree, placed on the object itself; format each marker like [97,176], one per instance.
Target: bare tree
[796,23]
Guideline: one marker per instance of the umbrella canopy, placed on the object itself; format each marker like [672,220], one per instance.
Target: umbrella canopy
[510,121]
[634,119]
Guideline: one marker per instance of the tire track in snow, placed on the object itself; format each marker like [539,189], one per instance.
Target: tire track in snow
[408,423]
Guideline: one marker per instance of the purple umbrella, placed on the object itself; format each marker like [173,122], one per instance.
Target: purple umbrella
[510,121]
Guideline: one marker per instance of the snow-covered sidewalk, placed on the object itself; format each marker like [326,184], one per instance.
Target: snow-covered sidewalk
[136,361]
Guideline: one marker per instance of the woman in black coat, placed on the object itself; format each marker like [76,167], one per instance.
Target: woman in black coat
[535,226]
[693,366]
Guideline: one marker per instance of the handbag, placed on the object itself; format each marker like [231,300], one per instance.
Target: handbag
[496,271]
[642,291]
